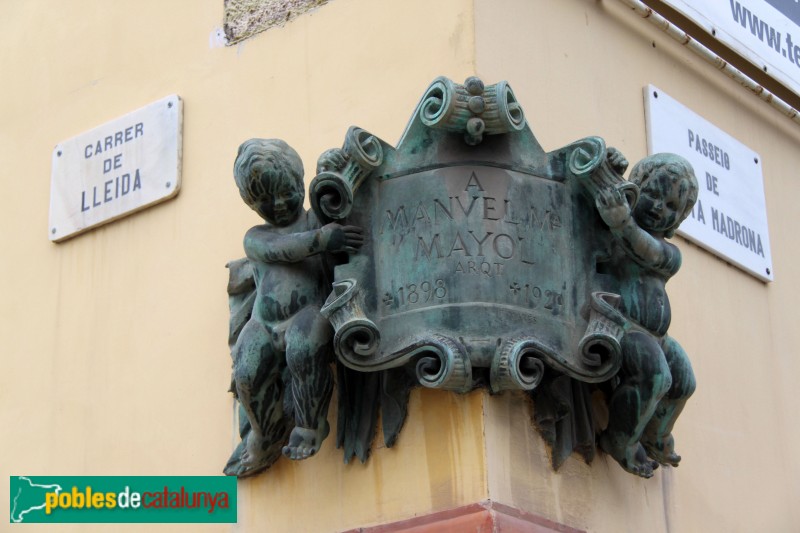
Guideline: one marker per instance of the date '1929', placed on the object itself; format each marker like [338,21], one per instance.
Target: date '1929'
[535,296]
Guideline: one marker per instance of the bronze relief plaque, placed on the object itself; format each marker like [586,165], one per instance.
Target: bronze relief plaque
[478,262]
[464,257]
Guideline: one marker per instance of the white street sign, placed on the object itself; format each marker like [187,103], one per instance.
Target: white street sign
[765,32]
[730,217]
[118,168]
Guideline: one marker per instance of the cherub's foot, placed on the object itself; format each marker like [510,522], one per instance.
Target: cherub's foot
[632,458]
[305,442]
[663,451]
[249,458]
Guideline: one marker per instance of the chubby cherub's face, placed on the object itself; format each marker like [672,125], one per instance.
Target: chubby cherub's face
[662,202]
[282,205]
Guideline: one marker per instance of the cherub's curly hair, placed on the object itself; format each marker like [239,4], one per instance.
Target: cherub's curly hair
[261,166]
[680,169]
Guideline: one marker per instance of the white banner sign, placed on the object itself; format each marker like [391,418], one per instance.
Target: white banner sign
[765,32]
[116,169]
[730,217]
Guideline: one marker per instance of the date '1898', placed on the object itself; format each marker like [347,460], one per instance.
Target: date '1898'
[416,293]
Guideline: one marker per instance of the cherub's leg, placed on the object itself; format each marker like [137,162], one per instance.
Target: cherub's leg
[257,372]
[657,438]
[308,354]
[644,379]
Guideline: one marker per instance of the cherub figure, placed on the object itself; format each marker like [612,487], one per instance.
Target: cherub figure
[286,330]
[656,378]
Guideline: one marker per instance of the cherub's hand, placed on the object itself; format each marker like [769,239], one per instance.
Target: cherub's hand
[617,160]
[333,159]
[338,238]
[613,207]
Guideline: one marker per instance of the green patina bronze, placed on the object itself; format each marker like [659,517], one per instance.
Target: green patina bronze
[282,351]
[465,257]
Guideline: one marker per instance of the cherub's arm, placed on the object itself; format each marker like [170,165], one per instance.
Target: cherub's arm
[263,244]
[648,251]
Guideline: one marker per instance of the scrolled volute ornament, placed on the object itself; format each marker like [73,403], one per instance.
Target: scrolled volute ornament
[518,366]
[600,344]
[441,363]
[331,191]
[599,168]
[356,336]
[472,108]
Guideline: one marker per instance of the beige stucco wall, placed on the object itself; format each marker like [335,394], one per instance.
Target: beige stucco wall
[113,343]
[578,68]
